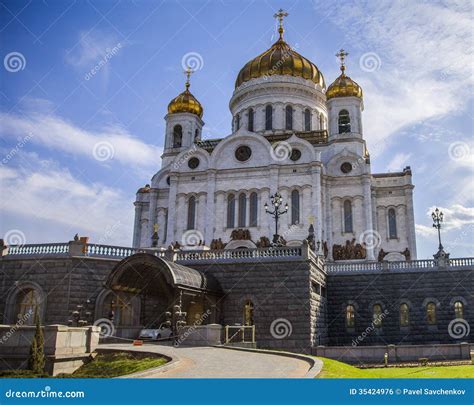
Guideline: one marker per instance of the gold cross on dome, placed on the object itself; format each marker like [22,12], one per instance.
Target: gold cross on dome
[188,72]
[342,56]
[280,15]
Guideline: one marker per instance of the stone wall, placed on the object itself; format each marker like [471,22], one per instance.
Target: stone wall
[390,289]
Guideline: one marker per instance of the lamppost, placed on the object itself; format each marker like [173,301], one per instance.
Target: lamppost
[437,216]
[441,257]
[276,201]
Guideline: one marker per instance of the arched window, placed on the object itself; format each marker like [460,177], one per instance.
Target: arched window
[348,217]
[404,315]
[295,207]
[458,310]
[344,122]
[196,135]
[289,117]
[230,211]
[431,313]
[307,120]
[268,118]
[237,122]
[191,212]
[377,315]
[392,224]
[321,122]
[177,136]
[253,209]
[27,305]
[250,122]
[248,313]
[242,209]
[350,316]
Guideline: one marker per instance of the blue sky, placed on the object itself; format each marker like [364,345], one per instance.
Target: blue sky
[86,75]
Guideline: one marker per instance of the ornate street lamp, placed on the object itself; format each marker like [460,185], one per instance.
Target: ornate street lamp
[276,201]
[437,216]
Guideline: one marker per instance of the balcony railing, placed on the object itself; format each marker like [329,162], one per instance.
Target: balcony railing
[286,253]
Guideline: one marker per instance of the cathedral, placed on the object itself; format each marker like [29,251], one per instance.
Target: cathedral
[279,230]
[291,135]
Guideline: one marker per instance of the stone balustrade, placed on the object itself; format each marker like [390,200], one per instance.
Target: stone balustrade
[77,248]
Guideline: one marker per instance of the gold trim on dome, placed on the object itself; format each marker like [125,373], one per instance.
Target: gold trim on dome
[343,86]
[186,102]
[280,59]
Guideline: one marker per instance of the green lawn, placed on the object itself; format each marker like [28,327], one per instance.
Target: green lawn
[105,365]
[337,369]
[108,365]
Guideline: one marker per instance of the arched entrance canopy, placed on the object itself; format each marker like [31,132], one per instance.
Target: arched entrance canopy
[144,272]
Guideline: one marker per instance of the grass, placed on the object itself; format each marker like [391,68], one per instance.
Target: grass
[337,369]
[105,365]
[109,365]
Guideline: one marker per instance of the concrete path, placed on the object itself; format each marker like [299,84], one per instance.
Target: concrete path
[215,362]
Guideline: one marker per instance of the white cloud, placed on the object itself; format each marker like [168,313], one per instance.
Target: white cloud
[426,52]
[455,218]
[398,162]
[53,198]
[57,133]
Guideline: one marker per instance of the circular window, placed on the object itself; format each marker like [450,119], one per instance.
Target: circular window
[346,167]
[295,155]
[168,180]
[243,153]
[193,162]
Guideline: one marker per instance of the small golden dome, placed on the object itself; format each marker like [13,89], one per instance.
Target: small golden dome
[280,59]
[343,86]
[186,102]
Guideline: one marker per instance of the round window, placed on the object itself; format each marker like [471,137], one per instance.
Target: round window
[243,153]
[295,155]
[193,162]
[346,167]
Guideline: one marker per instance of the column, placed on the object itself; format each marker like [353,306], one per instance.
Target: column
[137,224]
[317,211]
[172,208]
[411,222]
[152,213]
[329,213]
[366,181]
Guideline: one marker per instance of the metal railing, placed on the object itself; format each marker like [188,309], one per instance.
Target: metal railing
[239,329]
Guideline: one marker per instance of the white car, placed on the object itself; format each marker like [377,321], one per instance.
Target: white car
[163,332]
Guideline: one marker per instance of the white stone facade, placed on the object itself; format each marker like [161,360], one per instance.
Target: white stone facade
[317,175]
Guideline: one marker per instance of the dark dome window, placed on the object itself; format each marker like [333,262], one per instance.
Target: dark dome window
[295,155]
[346,167]
[193,162]
[243,153]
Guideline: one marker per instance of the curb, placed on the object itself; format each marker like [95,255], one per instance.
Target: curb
[315,364]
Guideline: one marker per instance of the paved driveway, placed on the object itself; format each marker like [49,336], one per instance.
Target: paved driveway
[214,362]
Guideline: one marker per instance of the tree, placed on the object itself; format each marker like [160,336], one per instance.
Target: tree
[37,360]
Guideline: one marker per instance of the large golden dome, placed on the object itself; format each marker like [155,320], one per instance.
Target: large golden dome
[185,102]
[343,86]
[280,59]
